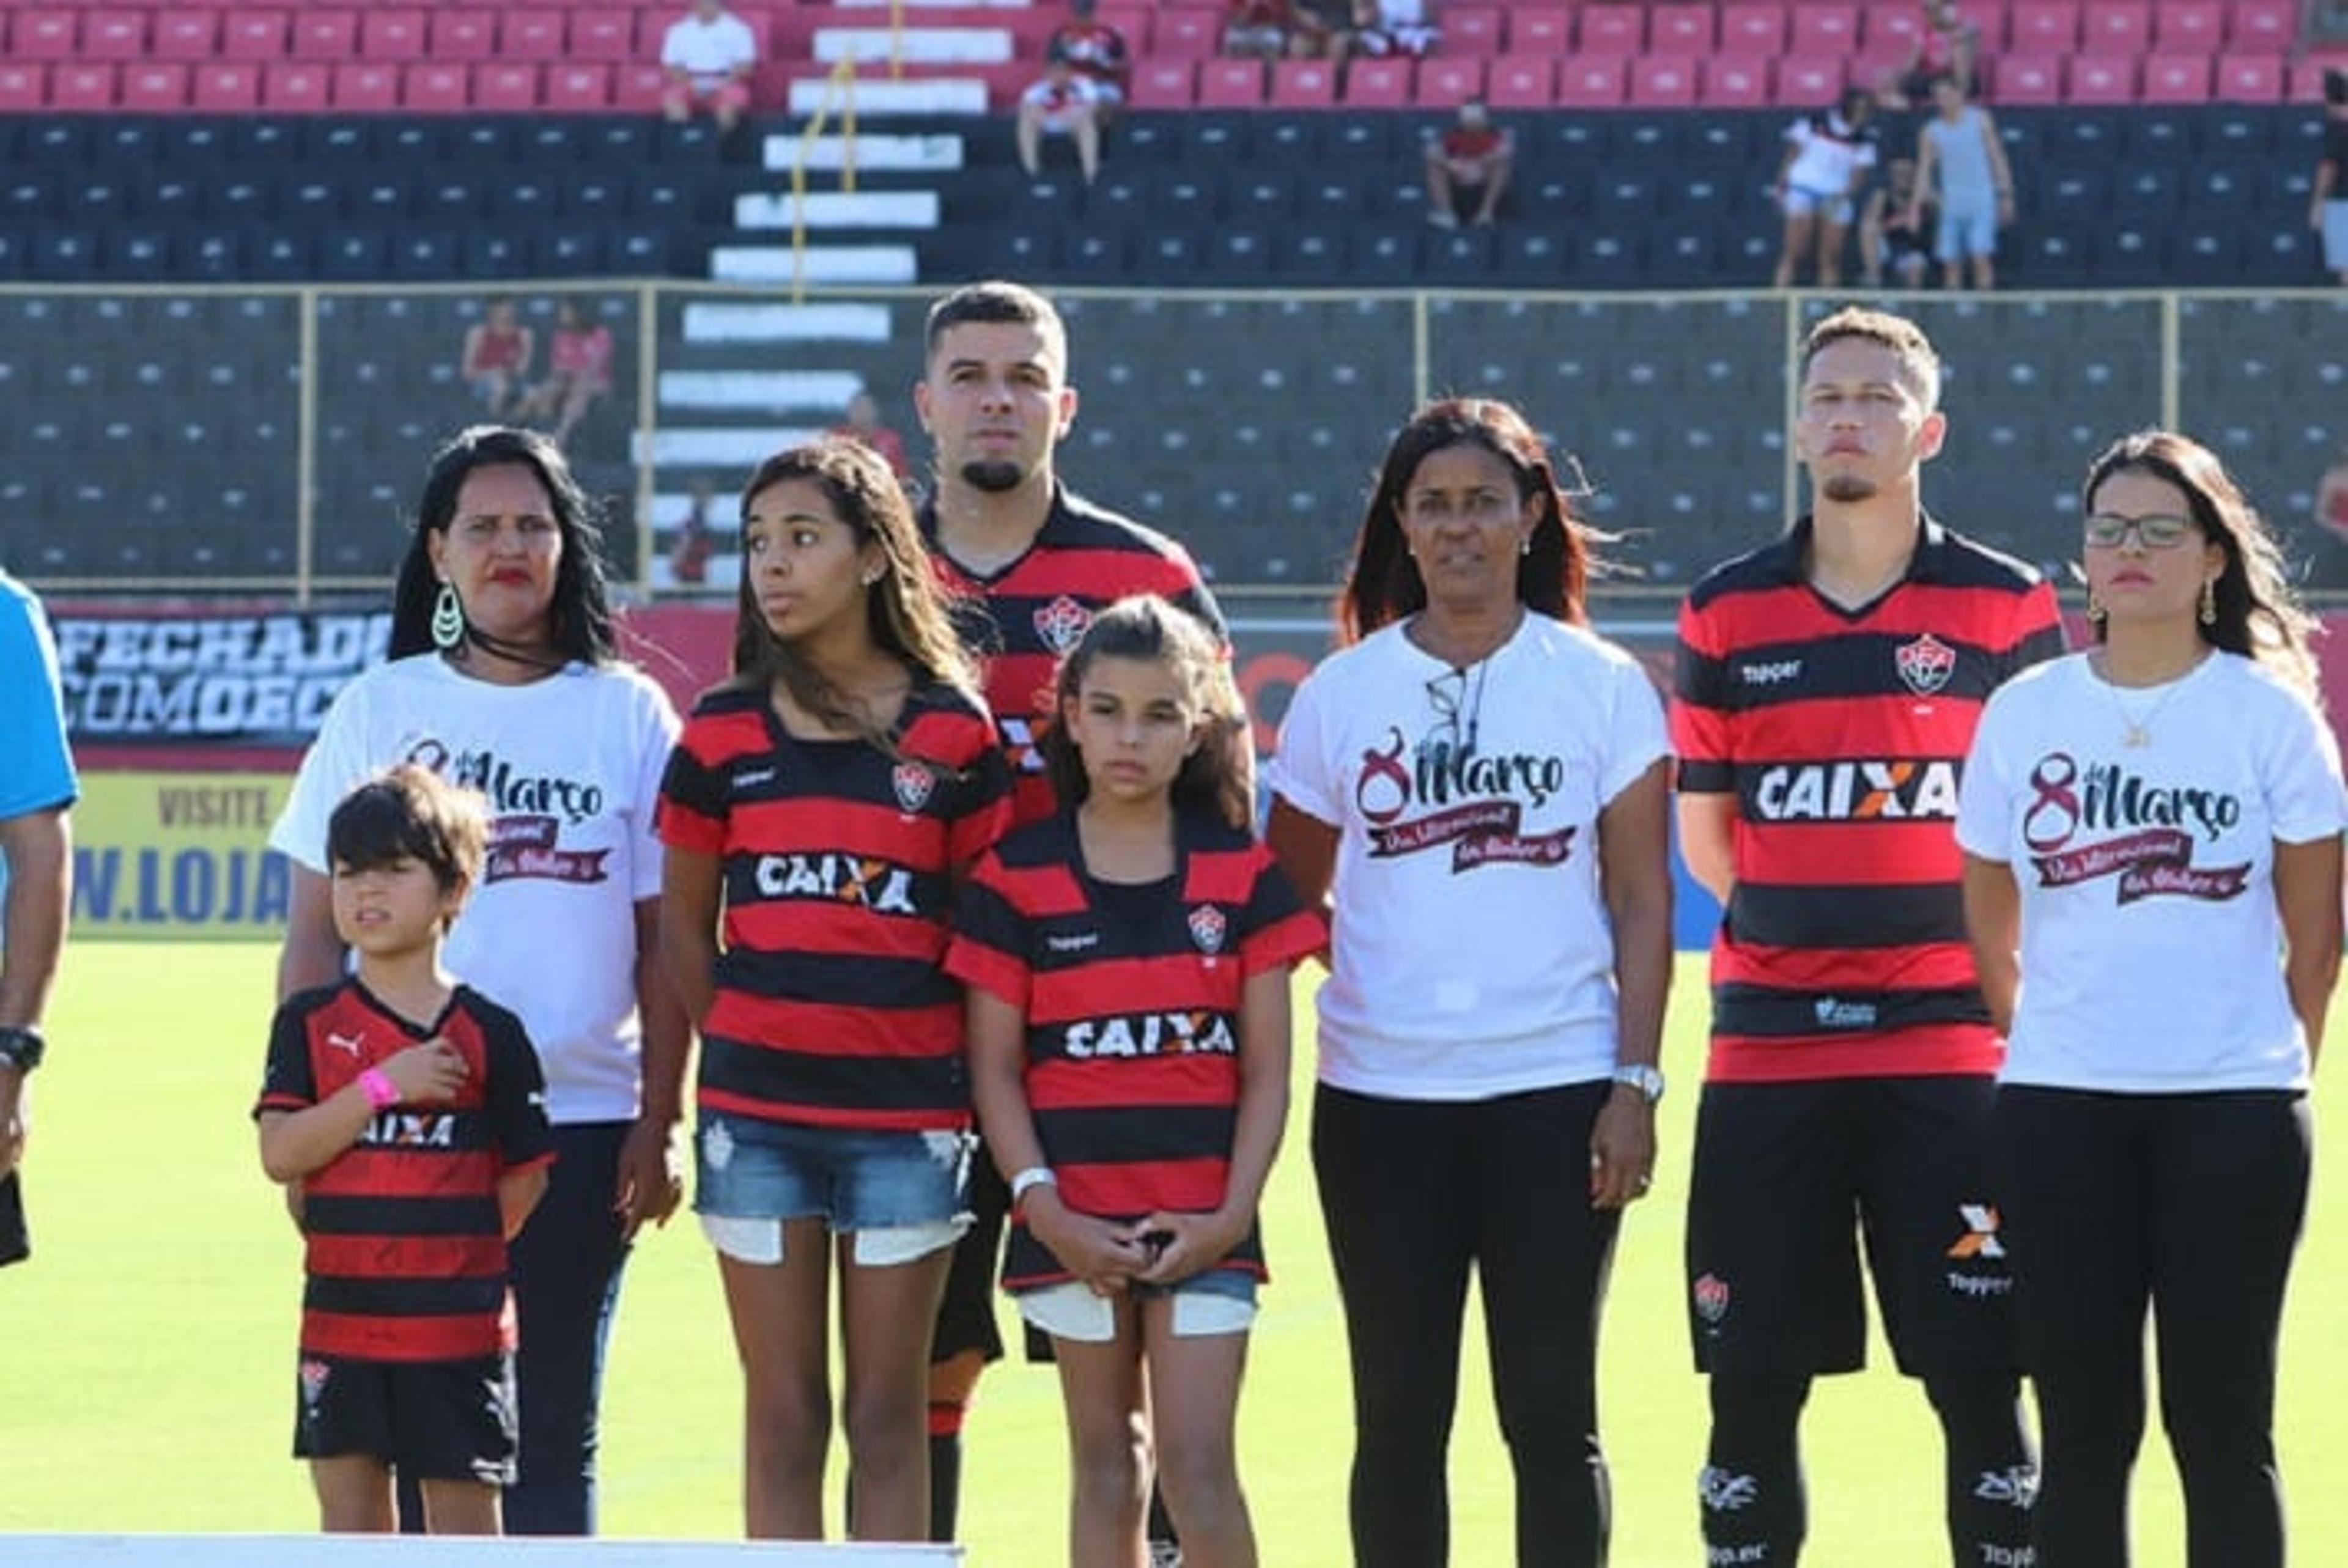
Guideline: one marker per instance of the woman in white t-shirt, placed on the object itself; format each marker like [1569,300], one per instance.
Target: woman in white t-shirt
[504,678]
[1477,786]
[2157,822]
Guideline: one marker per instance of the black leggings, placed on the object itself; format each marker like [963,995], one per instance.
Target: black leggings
[1415,1193]
[2191,1205]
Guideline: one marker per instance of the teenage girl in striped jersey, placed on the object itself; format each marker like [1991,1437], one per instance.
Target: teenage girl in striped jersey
[826,797]
[1129,962]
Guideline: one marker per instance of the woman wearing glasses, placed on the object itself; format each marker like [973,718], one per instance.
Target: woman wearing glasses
[2156,823]
[1475,784]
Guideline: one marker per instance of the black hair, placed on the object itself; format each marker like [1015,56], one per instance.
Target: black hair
[1217,778]
[410,812]
[995,301]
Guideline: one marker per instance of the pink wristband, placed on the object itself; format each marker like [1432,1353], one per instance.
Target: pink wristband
[381,1092]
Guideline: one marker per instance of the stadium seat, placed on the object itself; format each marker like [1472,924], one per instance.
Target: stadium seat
[1230,84]
[2028,79]
[1824,28]
[1447,83]
[2189,26]
[1540,30]
[2205,254]
[577,86]
[1811,79]
[2250,78]
[2102,79]
[1678,28]
[1310,255]
[1165,84]
[256,34]
[504,86]
[1890,30]
[2115,27]
[24,86]
[324,35]
[1742,84]
[1612,32]
[2263,27]
[366,86]
[154,87]
[433,86]
[1751,29]
[113,35]
[296,86]
[1473,30]
[1188,32]
[83,86]
[1133,22]
[392,33]
[1663,81]
[187,33]
[597,34]
[44,33]
[2045,27]
[1460,255]
[1303,84]
[1521,82]
[1377,84]
[225,86]
[2176,79]
[1587,83]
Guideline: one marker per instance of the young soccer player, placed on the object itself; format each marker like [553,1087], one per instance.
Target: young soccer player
[824,800]
[412,1111]
[1128,960]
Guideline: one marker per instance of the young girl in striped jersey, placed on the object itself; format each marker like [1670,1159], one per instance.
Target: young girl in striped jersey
[1129,963]
[825,800]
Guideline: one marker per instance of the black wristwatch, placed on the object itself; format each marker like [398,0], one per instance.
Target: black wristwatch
[21,1047]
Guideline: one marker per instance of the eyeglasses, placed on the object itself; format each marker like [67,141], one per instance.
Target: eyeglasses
[1447,695]
[2107,530]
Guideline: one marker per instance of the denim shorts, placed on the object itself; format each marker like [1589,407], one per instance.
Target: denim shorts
[852,1179]
[1212,1301]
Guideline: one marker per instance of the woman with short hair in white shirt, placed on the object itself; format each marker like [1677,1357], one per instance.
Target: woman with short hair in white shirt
[2156,823]
[1476,785]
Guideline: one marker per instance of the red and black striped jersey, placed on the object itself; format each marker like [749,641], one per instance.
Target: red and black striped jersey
[1842,734]
[405,1245]
[1019,620]
[838,862]
[1132,1001]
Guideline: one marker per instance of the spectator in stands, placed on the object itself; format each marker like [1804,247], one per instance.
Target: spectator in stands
[1062,103]
[1468,166]
[496,357]
[695,541]
[862,421]
[1949,47]
[1960,144]
[577,371]
[708,56]
[1098,53]
[1324,30]
[1894,229]
[504,674]
[37,789]
[1828,155]
[1382,29]
[2327,207]
[1257,29]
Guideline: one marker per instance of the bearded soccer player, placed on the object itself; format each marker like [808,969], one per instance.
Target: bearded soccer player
[1827,688]
[1034,561]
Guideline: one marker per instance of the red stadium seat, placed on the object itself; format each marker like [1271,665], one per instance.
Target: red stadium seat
[1540,30]
[2177,79]
[1681,30]
[1811,78]
[187,33]
[577,87]
[304,86]
[1612,32]
[1987,17]
[1471,30]
[2251,79]
[44,33]
[1521,82]
[531,35]
[253,34]
[1663,81]
[2102,79]
[504,86]
[84,85]
[394,32]
[113,35]
[225,86]
[638,86]
[1448,83]
[1230,84]
[2043,27]
[1303,85]
[2189,27]
[1377,84]
[464,36]
[1823,28]
[1889,30]
[1736,84]
[325,34]
[2116,27]
[1188,32]
[1134,22]
[434,87]
[366,87]
[2027,80]
[597,34]
[1584,83]
[24,86]
[155,86]
[1166,85]
[1753,29]
[2266,26]
[2306,83]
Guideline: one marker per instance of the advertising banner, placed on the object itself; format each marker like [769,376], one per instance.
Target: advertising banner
[179,855]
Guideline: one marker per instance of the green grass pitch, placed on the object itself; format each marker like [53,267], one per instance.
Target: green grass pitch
[145,1353]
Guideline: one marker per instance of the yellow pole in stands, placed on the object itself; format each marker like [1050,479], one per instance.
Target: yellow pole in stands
[839,83]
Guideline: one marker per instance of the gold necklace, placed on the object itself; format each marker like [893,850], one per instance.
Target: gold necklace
[2136,727]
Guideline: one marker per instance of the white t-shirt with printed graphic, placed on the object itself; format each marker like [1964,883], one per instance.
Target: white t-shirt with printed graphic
[1471,955]
[572,768]
[2151,946]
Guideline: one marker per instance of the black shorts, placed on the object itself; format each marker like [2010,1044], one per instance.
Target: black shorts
[1788,1176]
[966,1311]
[435,1420]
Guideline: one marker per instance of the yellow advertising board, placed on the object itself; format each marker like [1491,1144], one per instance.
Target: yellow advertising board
[179,855]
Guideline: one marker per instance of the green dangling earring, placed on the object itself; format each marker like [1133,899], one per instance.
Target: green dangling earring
[447,617]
